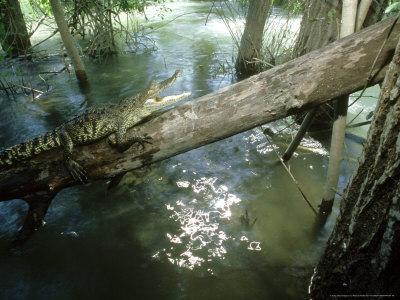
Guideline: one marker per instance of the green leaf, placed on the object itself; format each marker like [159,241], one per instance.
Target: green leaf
[393,8]
[370,115]
[332,13]
[311,20]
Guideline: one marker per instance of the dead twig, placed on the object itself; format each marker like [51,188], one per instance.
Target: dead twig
[37,26]
[355,117]
[25,87]
[49,37]
[45,82]
[292,177]
[54,72]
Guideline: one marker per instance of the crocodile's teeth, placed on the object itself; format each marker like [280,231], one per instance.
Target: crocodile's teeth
[167,99]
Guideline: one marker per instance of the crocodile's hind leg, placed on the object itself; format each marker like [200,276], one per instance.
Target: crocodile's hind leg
[75,169]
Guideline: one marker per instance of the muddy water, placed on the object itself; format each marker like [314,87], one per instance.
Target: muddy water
[178,229]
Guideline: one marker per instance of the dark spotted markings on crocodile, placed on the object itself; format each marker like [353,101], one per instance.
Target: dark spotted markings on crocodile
[95,124]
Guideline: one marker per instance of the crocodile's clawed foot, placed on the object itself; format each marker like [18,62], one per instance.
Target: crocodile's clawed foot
[77,171]
[122,147]
[143,140]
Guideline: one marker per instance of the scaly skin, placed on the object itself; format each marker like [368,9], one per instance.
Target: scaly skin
[95,124]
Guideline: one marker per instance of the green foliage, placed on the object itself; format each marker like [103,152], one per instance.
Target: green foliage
[312,20]
[5,48]
[131,5]
[296,7]
[394,7]
[332,13]
[2,27]
[97,21]
[41,7]
[293,7]
[134,5]
[2,30]
[330,16]
[126,6]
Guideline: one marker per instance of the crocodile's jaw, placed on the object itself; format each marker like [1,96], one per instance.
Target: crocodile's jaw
[157,103]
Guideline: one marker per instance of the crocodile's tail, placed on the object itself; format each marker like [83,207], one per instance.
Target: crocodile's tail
[30,148]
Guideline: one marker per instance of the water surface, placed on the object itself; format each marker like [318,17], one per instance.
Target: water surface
[174,230]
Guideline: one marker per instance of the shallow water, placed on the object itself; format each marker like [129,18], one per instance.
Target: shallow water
[174,230]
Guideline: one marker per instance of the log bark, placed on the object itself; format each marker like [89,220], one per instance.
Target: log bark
[308,81]
[362,254]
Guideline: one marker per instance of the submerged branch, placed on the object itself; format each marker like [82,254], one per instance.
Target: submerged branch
[292,177]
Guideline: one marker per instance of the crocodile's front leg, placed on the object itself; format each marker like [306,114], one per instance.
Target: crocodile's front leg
[123,143]
[75,169]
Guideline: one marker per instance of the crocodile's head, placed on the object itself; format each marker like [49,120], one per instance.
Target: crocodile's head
[148,101]
[155,88]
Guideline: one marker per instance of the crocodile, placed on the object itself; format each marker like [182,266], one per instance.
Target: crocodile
[96,123]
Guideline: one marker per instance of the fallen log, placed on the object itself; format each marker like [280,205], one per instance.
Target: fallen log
[318,77]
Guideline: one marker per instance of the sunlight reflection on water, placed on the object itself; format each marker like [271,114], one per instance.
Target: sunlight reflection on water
[202,234]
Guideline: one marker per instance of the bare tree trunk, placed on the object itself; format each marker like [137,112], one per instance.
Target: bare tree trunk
[73,53]
[251,41]
[14,39]
[349,16]
[271,95]
[339,125]
[362,254]
[319,25]
[363,9]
